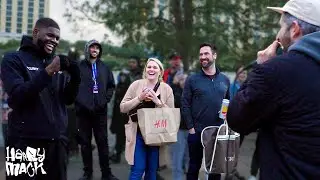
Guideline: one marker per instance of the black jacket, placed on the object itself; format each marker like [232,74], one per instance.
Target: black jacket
[86,101]
[282,98]
[202,98]
[37,99]
[177,93]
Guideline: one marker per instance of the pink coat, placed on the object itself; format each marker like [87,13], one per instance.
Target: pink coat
[130,101]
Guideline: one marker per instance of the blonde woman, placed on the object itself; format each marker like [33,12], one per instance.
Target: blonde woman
[141,157]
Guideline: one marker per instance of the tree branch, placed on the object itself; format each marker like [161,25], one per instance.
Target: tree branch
[85,14]
[161,19]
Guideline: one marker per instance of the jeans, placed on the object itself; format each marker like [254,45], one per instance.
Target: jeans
[179,155]
[196,155]
[146,160]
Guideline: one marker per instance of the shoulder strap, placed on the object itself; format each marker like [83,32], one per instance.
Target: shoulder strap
[156,87]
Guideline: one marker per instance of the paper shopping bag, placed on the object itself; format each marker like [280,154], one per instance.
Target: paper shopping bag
[159,126]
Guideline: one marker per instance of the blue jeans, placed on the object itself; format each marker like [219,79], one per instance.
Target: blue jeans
[179,155]
[146,160]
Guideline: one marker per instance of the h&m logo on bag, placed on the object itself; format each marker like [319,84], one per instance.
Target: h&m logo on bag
[162,123]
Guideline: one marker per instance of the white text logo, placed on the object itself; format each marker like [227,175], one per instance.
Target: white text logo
[29,162]
[33,68]
[229,158]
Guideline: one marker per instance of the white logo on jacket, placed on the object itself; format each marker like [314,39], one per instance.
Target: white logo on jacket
[33,68]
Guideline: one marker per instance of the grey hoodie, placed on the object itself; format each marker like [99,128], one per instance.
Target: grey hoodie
[87,46]
[309,44]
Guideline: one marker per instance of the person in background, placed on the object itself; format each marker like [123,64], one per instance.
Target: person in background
[141,157]
[39,86]
[241,76]
[174,69]
[5,110]
[95,92]
[179,150]
[281,97]
[135,69]
[73,149]
[125,78]
[201,102]
[119,119]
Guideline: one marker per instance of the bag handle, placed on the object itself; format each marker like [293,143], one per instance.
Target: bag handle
[215,146]
[133,111]
[227,127]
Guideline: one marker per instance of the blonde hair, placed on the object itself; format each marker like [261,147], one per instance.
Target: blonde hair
[160,66]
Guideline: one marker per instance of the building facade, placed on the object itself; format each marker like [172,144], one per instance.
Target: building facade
[18,17]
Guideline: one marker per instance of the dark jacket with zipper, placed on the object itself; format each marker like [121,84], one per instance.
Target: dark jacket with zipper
[37,99]
[177,93]
[281,98]
[87,101]
[202,98]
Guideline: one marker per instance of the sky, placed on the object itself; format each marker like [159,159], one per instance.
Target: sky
[90,30]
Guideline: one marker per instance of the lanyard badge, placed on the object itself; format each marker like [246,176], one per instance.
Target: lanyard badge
[94,78]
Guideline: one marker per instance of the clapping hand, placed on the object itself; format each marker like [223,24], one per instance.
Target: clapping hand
[144,94]
[153,97]
[54,66]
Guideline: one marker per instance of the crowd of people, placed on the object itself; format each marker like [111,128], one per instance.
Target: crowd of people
[58,102]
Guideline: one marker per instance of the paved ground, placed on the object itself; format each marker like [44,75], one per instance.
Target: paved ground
[122,170]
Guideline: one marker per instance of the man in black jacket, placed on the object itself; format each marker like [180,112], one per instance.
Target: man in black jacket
[281,97]
[40,85]
[201,101]
[95,92]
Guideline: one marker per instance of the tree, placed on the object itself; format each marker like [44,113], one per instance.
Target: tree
[64,46]
[239,29]
[10,45]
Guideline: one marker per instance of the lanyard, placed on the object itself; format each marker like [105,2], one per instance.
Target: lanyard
[94,77]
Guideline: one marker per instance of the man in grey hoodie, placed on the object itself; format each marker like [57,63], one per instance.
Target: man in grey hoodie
[281,97]
[96,89]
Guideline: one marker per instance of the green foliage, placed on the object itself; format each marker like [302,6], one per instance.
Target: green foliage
[64,46]
[10,45]
[239,28]
[115,57]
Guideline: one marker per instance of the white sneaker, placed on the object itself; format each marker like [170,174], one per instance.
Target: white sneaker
[252,178]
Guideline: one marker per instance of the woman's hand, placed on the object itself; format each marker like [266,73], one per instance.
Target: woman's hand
[153,97]
[144,94]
